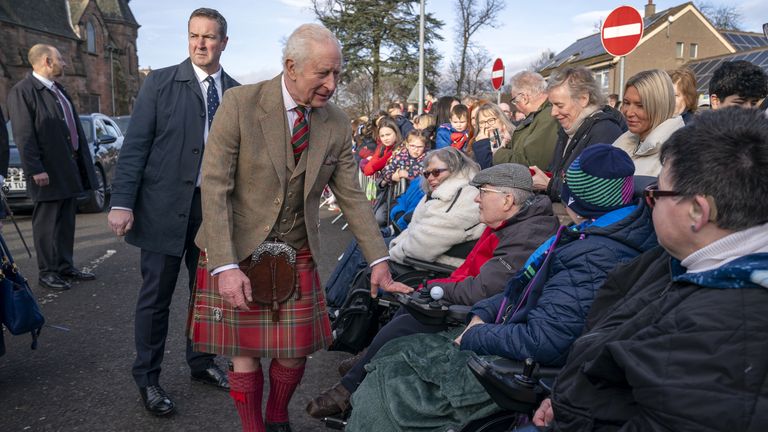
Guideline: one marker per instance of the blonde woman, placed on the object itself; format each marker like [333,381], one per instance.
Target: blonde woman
[649,107]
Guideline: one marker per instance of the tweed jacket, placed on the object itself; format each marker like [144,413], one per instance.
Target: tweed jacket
[244,175]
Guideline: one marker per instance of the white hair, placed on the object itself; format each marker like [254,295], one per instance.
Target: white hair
[298,47]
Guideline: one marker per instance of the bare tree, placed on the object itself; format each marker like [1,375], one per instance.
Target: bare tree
[477,78]
[472,17]
[542,60]
[724,17]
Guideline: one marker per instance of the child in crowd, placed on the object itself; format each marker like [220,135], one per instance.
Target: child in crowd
[389,137]
[407,163]
[455,134]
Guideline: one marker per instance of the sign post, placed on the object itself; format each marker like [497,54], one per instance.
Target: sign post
[497,78]
[620,35]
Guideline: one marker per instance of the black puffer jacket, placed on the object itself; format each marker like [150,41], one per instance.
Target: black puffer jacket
[663,355]
[602,127]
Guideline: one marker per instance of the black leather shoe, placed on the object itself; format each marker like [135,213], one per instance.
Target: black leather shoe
[278,427]
[75,274]
[54,282]
[156,401]
[212,376]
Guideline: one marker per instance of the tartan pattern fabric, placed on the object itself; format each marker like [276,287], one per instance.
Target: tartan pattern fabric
[300,133]
[215,327]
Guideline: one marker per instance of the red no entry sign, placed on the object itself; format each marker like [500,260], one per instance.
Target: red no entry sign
[497,74]
[622,31]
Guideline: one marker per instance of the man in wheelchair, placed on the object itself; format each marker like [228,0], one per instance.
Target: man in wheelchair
[422,382]
[676,340]
[517,222]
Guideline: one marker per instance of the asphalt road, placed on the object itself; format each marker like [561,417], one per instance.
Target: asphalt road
[79,377]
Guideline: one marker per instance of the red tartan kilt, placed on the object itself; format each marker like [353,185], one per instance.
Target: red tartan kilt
[215,327]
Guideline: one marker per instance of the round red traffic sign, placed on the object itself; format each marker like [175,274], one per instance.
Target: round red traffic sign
[622,31]
[497,74]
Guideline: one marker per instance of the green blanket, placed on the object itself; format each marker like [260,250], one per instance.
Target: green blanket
[419,383]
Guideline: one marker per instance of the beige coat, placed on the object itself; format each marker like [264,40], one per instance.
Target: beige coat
[645,154]
[244,175]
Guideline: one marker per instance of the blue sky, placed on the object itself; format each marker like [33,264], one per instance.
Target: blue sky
[258,28]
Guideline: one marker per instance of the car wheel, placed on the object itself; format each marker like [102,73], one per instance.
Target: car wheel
[97,199]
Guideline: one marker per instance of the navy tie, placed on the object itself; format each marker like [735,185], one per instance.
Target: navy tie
[212,99]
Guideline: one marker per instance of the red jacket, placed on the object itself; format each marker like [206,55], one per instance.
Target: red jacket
[379,160]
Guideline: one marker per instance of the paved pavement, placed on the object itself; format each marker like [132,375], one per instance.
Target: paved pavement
[79,377]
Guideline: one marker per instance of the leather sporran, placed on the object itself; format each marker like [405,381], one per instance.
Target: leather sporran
[271,269]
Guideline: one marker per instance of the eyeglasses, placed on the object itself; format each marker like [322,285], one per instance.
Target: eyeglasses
[435,172]
[485,190]
[488,122]
[514,100]
[411,146]
[652,193]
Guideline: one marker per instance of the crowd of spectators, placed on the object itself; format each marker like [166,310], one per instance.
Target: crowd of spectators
[663,228]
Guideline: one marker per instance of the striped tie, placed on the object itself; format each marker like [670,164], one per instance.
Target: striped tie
[300,133]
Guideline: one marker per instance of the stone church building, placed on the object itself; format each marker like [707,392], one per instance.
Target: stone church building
[97,39]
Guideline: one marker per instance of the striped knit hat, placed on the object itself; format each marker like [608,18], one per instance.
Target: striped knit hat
[600,180]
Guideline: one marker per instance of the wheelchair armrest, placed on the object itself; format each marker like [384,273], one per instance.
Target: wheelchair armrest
[507,383]
[458,313]
[429,266]
[508,366]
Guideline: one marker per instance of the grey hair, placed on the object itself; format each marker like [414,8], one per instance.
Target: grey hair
[298,47]
[579,81]
[211,14]
[528,82]
[456,161]
[521,195]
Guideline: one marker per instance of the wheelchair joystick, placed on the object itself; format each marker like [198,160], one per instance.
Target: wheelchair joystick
[525,379]
[436,293]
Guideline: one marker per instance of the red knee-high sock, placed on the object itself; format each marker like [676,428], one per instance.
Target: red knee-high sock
[282,383]
[246,389]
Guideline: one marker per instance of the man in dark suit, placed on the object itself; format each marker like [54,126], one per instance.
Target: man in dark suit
[56,160]
[156,194]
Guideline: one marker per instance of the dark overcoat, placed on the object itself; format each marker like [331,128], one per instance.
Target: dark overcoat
[160,159]
[42,136]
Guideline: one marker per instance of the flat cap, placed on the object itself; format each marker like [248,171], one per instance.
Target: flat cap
[505,175]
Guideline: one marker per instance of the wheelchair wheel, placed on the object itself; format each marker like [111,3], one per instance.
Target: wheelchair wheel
[499,422]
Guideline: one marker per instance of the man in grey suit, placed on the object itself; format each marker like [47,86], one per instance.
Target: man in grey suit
[156,194]
[57,163]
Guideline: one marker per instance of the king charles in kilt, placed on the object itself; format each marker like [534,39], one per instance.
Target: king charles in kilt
[272,148]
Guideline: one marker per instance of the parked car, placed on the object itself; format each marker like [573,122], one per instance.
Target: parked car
[123,121]
[104,140]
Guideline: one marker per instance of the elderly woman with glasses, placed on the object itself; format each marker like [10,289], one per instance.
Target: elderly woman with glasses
[447,215]
[676,340]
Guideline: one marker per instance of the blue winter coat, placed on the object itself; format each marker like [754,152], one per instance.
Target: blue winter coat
[545,327]
[402,211]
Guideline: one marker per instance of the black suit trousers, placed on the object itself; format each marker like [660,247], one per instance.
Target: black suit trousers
[53,231]
[160,273]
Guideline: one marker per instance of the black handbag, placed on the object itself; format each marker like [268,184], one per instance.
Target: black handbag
[20,311]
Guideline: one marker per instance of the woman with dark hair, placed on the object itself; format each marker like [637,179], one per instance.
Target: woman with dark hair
[442,109]
[389,138]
